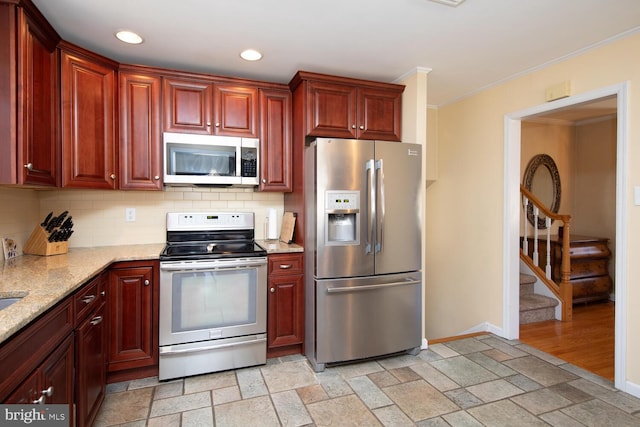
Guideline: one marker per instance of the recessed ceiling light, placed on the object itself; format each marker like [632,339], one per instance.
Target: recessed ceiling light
[250,55]
[129,37]
[453,3]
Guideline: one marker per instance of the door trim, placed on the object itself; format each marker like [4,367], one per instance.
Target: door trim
[511,214]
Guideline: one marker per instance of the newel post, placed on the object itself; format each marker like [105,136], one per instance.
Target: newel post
[566,290]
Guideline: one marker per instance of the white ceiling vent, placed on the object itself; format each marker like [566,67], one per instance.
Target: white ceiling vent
[453,3]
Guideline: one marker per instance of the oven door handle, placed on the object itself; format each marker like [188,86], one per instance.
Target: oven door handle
[169,352]
[217,265]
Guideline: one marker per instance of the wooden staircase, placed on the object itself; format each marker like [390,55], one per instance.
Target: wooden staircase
[534,307]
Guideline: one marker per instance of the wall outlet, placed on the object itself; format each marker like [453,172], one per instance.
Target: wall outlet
[130,214]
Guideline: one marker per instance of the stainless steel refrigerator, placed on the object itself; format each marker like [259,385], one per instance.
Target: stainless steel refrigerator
[363,292]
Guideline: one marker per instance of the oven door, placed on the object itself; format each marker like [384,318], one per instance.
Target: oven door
[212,299]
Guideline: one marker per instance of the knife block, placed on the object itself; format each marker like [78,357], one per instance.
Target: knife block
[39,244]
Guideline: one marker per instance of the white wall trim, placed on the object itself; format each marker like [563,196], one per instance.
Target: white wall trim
[484,327]
[511,257]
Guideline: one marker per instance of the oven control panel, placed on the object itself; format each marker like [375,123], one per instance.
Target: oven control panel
[209,221]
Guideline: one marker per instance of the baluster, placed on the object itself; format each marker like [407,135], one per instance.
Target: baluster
[547,224]
[525,243]
[536,214]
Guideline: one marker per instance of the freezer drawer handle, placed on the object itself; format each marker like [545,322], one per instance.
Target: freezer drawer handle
[369,287]
[165,352]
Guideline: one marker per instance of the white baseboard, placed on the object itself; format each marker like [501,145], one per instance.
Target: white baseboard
[425,344]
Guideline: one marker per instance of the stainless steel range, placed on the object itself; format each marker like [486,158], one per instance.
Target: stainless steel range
[213,294]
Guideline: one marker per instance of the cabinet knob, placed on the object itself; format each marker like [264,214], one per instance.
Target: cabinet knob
[29,166]
[217,124]
[264,180]
[208,124]
[353,126]
[272,290]
[40,401]
[112,176]
[146,282]
[156,177]
[48,392]
[103,293]
[361,127]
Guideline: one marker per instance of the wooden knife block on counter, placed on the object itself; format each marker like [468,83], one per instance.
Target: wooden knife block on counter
[38,244]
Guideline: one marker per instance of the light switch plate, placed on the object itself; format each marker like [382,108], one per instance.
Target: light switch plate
[130,214]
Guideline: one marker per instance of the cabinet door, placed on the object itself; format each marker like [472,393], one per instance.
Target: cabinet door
[285,303]
[331,110]
[133,333]
[188,106]
[91,369]
[379,114]
[38,104]
[88,123]
[140,132]
[57,374]
[275,140]
[236,110]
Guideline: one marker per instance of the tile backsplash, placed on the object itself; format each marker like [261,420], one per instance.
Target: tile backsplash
[99,215]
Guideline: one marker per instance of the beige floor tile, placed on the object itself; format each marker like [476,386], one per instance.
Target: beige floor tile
[404,375]
[504,413]
[128,406]
[290,409]
[383,379]
[171,420]
[164,391]
[541,401]
[226,395]
[257,411]
[419,400]
[177,404]
[392,416]
[202,417]
[342,411]
[540,371]
[312,393]
[288,376]
[209,382]
[494,390]
[497,355]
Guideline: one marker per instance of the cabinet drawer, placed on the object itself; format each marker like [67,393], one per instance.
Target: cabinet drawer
[88,298]
[280,265]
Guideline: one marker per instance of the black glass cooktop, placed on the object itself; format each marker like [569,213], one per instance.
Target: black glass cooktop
[208,250]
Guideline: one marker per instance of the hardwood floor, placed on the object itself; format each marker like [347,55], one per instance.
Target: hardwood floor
[587,341]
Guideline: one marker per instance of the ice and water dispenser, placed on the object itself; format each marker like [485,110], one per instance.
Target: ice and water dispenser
[342,216]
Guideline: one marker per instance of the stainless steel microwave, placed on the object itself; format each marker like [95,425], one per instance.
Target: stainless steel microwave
[191,159]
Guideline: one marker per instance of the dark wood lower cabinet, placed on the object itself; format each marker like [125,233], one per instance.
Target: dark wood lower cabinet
[285,305]
[133,327]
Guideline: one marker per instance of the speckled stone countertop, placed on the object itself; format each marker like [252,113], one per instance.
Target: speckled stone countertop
[46,280]
[278,247]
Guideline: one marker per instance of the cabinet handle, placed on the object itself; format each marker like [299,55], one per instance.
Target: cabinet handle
[285,266]
[29,166]
[40,401]
[88,299]
[112,176]
[48,392]
[156,177]
[272,290]
[146,282]
[96,320]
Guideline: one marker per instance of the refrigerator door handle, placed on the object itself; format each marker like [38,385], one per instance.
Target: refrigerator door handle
[381,214]
[371,205]
[370,287]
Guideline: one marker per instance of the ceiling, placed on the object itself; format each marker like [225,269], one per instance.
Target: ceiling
[467,48]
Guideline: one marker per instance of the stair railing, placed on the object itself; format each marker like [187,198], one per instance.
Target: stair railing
[563,290]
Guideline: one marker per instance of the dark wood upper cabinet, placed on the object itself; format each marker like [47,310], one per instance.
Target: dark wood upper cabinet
[29,152]
[236,110]
[340,107]
[89,150]
[275,140]
[140,130]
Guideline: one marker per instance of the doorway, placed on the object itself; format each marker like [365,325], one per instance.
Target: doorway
[512,174]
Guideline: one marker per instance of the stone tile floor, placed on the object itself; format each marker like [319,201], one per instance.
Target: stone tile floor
[480,381]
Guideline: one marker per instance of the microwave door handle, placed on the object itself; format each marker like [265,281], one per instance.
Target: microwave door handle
[381,213]
[371,205]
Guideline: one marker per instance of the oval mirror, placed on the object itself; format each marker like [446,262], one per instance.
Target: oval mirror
[542,179]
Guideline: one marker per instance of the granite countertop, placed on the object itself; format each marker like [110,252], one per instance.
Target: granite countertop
[47,280]
[279,247]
